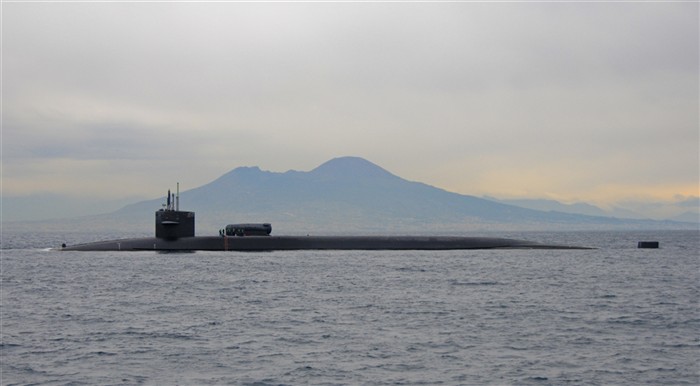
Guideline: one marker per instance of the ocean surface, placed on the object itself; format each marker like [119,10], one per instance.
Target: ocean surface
[612,315]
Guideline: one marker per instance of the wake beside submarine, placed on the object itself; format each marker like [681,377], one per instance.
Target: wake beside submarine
[175,232]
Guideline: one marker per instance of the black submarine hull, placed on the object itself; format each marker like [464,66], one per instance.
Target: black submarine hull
[291,243]
[175,232]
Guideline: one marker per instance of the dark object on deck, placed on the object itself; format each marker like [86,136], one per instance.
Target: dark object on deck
[246,230]
[648,244]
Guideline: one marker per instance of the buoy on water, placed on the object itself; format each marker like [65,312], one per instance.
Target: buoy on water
[648,244]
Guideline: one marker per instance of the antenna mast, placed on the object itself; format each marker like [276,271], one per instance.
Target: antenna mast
[177,198]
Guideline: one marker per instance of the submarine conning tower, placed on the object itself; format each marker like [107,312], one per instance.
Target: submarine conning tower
[171,222]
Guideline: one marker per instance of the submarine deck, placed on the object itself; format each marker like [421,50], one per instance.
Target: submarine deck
[289,243]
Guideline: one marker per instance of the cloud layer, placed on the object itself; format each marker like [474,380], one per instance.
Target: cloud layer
[574,101]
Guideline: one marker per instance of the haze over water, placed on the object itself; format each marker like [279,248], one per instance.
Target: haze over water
[613,315]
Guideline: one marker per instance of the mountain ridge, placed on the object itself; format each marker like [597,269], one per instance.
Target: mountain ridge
[352,194]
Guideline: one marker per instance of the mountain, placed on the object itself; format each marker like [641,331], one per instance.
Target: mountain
[688,217]
[575,208]
[686,210]
[351,194]
[554,206]
[347,195]
[43,206]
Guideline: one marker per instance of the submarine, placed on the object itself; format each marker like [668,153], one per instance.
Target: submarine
[175,231]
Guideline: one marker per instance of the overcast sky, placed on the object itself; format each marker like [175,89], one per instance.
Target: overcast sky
[572,101]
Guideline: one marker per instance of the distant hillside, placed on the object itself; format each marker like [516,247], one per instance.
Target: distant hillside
[687,210]
[688,217]
[576,208]
[351,194]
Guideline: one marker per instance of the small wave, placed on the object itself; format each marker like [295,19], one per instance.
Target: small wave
[628,321]
[104,353]
[665,369]
[264,382]
[28,370]
[582,340]
[410,269]
[681,345]
[473,283]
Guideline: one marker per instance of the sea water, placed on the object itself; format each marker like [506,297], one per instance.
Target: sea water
[611,315]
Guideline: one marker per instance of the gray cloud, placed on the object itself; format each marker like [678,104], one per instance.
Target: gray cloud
[419,88]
